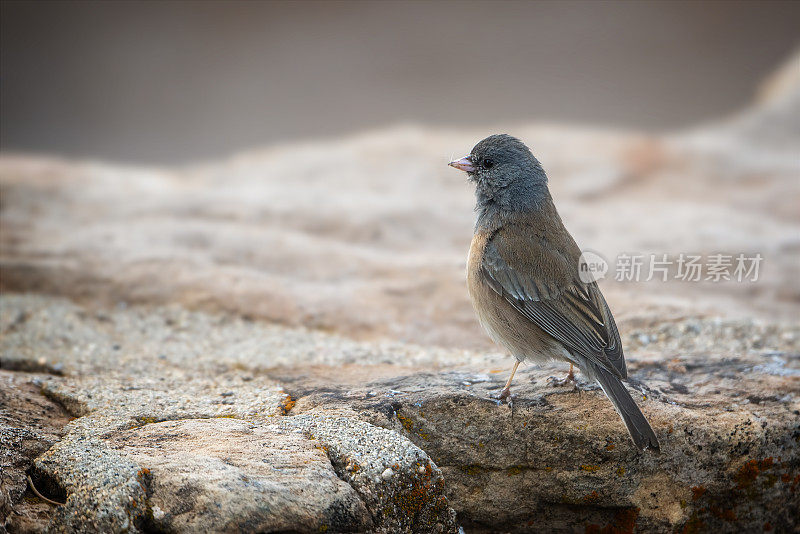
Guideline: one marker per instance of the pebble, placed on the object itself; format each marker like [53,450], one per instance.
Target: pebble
[387,474]
[158,513]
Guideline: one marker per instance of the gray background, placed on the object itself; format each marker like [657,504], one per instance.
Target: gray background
[157,82]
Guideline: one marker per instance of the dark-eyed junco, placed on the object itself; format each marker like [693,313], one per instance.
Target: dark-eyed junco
[523,277]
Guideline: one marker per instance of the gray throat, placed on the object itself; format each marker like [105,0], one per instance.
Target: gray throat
[498,206]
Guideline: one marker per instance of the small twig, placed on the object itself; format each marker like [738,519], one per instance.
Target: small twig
[45,499]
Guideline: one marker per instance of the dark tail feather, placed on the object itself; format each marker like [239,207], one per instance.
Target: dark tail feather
[643,436]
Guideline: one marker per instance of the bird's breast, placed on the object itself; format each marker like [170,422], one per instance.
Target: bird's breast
[474,260]
[486,302]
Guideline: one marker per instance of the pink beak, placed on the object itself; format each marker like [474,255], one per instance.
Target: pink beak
[464,164]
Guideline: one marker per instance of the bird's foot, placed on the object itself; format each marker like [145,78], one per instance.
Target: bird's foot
[568,380]
[556,382]
[503,396]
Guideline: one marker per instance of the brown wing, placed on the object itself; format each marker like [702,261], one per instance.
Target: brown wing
[542,283]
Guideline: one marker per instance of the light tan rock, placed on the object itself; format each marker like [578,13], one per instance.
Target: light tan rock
[367,236]
[559,458]
[227,475]
[413,443]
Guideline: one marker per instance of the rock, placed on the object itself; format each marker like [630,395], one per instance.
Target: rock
[186,475]
[396,479]
[564,460]
[228,475]
[29,425]
[105,492]
[184,341]
[186,443]
[413,446]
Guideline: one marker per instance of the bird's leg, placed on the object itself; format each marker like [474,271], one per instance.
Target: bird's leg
[507,390]
[571,378]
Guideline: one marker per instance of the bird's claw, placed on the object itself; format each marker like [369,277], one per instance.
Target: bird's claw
[563,382]
[503,396]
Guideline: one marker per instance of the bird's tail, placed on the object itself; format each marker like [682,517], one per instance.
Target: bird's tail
[638,427]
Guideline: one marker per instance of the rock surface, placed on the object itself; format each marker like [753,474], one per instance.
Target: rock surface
[160,441]
[190,439]
[283,341]
[29,425]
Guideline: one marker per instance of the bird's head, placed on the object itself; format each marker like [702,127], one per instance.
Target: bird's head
[505,172]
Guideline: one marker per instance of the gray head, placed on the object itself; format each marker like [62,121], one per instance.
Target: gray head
[507,177]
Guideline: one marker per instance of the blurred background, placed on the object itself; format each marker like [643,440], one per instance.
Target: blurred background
[173,82]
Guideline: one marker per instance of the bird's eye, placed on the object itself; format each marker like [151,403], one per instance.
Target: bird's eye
[487,163]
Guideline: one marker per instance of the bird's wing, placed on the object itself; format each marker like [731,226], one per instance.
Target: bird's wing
[542,283]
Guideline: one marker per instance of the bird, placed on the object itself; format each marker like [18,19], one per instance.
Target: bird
[524,281]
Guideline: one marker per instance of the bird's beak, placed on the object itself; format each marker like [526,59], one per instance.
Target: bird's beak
[464,164]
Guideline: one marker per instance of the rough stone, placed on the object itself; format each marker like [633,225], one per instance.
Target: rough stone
[724,404]
[170,471]
[559,457]
[191,440]
[228,475]
[410,498]
[105,492]
[29,425]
